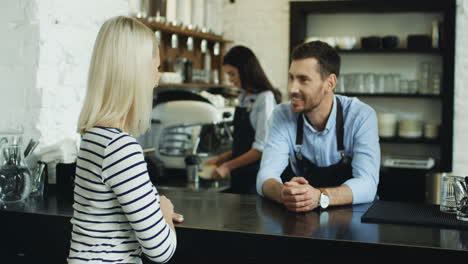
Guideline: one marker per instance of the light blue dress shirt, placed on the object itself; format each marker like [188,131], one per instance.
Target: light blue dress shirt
[260,113]
[361,143]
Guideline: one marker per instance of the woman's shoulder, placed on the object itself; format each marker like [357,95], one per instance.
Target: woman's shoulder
[266,96]
[109,136]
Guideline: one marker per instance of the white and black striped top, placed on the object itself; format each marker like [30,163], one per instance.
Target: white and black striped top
[116,207]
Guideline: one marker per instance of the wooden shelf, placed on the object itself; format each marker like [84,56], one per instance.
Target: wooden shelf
[181,31]
[392,51]
[430,96]
[399,140]
[201,85]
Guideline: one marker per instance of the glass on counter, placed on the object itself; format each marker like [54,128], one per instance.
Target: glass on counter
[15,177]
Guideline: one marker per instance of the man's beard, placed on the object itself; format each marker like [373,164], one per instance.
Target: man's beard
[314,103]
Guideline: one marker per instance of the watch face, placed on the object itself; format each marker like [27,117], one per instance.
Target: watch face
[324,201]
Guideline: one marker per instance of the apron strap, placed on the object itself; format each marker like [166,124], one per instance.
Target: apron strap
[339,127]
[299,136]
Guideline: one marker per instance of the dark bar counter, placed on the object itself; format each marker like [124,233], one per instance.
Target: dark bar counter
[229,228]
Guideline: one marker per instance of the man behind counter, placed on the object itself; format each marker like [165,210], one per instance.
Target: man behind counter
[331,141]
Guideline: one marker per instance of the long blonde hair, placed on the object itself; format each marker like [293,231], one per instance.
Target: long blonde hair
[120,78]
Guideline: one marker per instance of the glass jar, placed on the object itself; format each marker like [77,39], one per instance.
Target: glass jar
[15,176]
[447,200]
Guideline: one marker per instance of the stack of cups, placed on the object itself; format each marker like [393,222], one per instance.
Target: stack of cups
[431,130]
[410,128]
[387,123]
[424,73]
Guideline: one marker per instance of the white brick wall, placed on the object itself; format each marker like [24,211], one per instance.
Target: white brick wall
[460,157]
[67,33]
[265,29]
[19,52]
[44,57]
[262,26]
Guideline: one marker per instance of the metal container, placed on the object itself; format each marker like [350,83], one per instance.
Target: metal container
[192,164]
[432,191]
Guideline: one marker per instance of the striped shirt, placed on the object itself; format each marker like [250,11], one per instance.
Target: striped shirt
[116,207]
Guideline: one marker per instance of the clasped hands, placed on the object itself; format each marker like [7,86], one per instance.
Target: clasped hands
[297,195]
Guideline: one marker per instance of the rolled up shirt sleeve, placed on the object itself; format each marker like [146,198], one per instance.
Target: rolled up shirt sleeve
[261,112]
[366,160]
[275,156]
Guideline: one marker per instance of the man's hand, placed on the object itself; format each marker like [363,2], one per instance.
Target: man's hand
[298,196]
[220,172]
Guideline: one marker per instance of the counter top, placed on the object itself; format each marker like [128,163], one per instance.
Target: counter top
[251,214]
[176,180]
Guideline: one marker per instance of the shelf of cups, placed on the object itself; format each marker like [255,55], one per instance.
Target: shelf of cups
[420,140]
[390,51]
[431,96]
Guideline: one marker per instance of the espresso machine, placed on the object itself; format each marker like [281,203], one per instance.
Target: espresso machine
[183,124]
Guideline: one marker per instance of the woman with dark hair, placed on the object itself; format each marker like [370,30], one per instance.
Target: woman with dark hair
[256,103]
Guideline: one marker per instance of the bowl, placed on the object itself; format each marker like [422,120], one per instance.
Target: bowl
[387,124]
[389,42]
[346,43]
[371,43]
[310,39]
[410,128]
[206,171]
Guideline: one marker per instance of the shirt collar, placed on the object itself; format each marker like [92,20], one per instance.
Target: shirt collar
[330,122]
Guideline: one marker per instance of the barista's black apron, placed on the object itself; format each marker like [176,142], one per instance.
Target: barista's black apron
[243,179]
[318,177]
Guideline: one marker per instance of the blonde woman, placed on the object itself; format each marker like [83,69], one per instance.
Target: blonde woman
[118,213]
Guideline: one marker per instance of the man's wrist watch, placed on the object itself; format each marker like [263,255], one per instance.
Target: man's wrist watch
[324,200]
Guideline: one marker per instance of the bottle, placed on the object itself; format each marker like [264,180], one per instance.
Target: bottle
[435,34]
[188,71]
[207,66]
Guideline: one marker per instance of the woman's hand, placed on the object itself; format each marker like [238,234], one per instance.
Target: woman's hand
[221,172]
[168,210]
[178,218]
[166,206]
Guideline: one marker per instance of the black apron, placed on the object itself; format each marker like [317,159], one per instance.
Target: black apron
[318,177]
[243,179]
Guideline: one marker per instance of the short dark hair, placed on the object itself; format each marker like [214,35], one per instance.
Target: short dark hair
[328,59]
